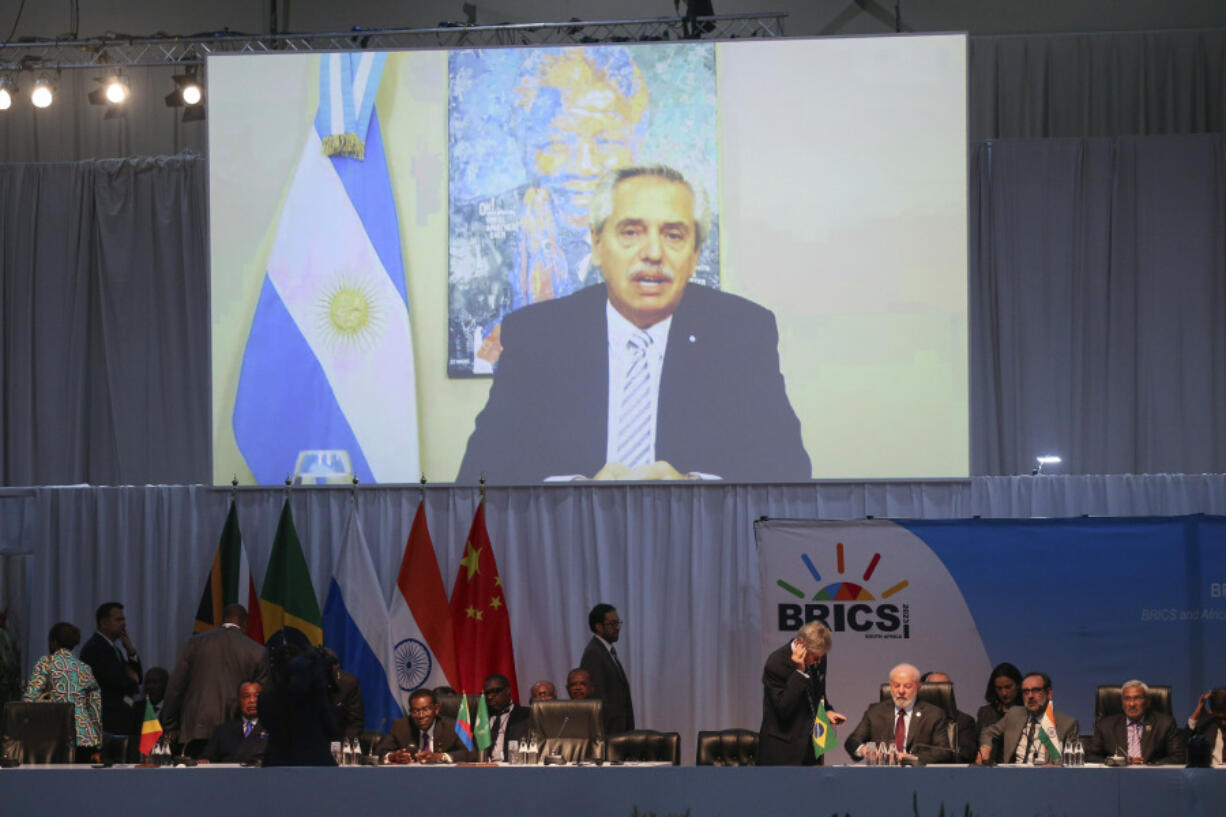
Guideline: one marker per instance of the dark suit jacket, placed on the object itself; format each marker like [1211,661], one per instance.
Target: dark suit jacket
[203,689]
[1208,727]
[967,738]
[1004,735]
[722,406]
[118,716]
[1161,740]
[927,737]
[405,733]
[350,712]
[227,745]
[788,701]
[519,722]
[612,687]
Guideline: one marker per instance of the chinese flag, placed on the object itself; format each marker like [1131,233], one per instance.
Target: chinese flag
[479,614]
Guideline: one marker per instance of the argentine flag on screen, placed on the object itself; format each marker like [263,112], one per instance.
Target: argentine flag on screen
[355,625]
[329,360]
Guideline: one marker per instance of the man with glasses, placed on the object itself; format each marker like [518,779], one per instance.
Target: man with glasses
[508,722]
[423,737]
[1026,733]
[608,673]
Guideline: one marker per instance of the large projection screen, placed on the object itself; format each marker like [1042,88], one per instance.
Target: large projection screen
[378,219]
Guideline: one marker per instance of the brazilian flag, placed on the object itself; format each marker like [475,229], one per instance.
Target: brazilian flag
[288,598]
[823,732]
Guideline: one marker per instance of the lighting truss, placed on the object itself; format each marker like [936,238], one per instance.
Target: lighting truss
[152,51]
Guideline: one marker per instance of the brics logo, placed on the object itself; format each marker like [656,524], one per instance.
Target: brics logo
[845,605]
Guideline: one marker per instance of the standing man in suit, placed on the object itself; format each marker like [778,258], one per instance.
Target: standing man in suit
[116,664]
[242,739]
[1209,722]
[1021,734]
[640,377]
[508,721]
[793,685]
[916,729]
[423,737]
[203,686]
[1142,736]
[602,663]
[345,692]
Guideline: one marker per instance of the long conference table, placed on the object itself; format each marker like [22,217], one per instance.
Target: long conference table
[617,791]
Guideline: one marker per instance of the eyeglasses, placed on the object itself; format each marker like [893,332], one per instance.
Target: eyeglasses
[617,622]
[1034,691]
[495,691]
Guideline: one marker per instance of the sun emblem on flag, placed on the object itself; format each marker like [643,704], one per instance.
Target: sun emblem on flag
[349,313]
[413,662]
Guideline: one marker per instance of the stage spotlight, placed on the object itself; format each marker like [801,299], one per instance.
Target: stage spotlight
[188,94]
[112,93]
[116,90]
[43,92]
[192,94]
[8,89]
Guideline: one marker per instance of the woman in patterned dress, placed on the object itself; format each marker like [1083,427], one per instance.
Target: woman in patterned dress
[59,677]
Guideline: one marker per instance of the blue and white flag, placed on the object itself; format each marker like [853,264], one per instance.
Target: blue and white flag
[329,359]
[355,625]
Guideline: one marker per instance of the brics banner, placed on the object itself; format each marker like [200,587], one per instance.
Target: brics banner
[1088,601]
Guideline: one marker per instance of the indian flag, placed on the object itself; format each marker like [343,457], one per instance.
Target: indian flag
[823,732]
[150,730]
[1048,736]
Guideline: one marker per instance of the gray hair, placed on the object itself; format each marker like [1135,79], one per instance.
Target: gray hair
[602,197]
[815,636]
[910,669]
[1135,683]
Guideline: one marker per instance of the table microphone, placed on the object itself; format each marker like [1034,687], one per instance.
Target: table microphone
[558,736]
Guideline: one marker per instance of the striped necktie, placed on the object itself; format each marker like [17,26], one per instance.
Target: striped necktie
[638,408]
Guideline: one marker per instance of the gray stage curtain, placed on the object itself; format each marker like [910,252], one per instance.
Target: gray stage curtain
[678,561]
[1103,84]
[104,322]
[1098,304]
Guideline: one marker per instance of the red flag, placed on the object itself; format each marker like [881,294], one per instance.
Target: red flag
[479,614]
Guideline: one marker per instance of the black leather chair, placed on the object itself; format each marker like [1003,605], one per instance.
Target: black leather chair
[568,729]
[937,693]
[39,732]
[1109,700]
[645,746]
[449,705]
[728,747]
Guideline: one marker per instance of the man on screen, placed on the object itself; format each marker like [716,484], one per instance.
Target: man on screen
[641,377]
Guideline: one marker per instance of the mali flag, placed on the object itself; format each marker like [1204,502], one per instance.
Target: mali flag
[823,732]
[288,598]
[150,730]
